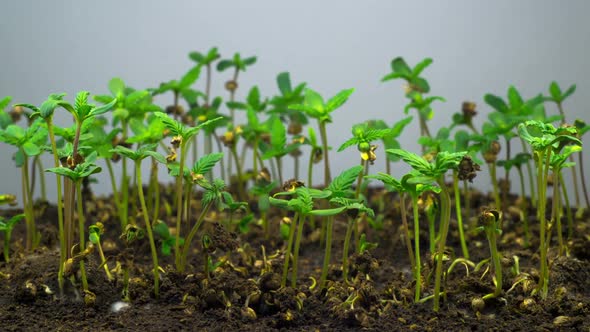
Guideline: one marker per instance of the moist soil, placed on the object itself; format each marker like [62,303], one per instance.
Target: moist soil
[243,293]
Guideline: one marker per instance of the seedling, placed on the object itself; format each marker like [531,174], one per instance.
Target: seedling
[181,137]
[545,140]
[167,240]
[238,64]
[94,233]
[490,223]
[582,129]
[6,226]
[413,184]
[28,143]
[137,156]
[435,171]
[314,106]
[76,174]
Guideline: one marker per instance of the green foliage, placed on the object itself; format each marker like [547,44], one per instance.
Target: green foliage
[314,105]
[341,185]
[237,62]
[6,225]
[82,110]
[443,162]
[556,95]
[178,129]
[29,141]
[167,240]
[401,70]
[205,59]
[180,86]
[206,163]
[80,171]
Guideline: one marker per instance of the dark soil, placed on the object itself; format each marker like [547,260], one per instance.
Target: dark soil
[381,283]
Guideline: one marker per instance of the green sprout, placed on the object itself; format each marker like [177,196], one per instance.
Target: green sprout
[238,64]
[390,141]
[181,138]
[77,174]
[167,240]
[314,106]
[417,86]
[300,202]
[28,143]
[179,88]
[278,146]
[490,223]
[582,129]
[94,233]
[545,140]
[435,171]
[6,226]
[137,156]
[413,184]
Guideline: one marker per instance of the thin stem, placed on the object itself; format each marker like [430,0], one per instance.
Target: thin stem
[296,166]
[148,227]
[492,240]
[327,252]
[568,209]
[115,191]
[296,251]
[60,216]
[407,236]
[179,179]
[81,227]
[571,158]
[288,250]
[492,167]
[556,210]
[347,236]
[310,169]
[39,164]
[280,169]
[241,194]
[530,175]
[418,264]
[583,178]
[324,136]
[445,202]
[524,209]
[459,216]
[191,235]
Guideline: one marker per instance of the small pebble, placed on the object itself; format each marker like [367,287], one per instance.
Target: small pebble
[118,306]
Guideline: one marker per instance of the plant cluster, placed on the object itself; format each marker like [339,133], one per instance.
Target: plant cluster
[221,183]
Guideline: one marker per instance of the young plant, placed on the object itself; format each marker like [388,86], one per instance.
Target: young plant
[390,141]
[435,171]
[238,64]
[416,87]
[129,106]
[557,96]
[545,140]
[181,138]
[301,202]
[94,233]
[314,106]
[179,88]
[137,156]
[413,184]
[6,226]
[278,146]
[582,129]
[77,174]
[28,143]
[490,223]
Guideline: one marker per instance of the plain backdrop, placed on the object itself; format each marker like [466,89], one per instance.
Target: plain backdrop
[478,47]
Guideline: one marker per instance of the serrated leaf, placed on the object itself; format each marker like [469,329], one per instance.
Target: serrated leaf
[206,163]
[81,100]
[345,180]
[416,162]
[102,109]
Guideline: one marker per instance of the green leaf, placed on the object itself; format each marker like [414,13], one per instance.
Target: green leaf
[345,180]
[569,91]
[555,91]
[5,102]
[416,162]
[190,77]
[496,103]
[421,66]
[206,163]
[117,87]
[81,100]
[313,100]
[327,212]
[399,65]
[399,126]
[159,158]
[339,99]
[31,149]
[15,131]
[102,109]
[224,64]
[284,82]
[126,152]
[514,98]
[196,56]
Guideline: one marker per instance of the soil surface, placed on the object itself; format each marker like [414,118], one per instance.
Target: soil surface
[243,293]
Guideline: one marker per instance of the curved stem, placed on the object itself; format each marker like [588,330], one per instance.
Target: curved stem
[524,209]
[179,178]
[191,235]
[60,216]
[497,202]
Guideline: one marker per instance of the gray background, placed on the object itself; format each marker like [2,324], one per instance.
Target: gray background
[477,47]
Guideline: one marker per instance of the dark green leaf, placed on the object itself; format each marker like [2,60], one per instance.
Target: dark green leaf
[339,99]
[190,77]
[399,65]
